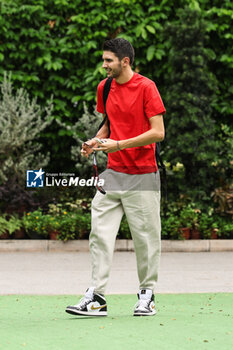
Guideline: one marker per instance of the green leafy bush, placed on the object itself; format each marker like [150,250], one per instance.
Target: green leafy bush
[56,48]
[191,128]
[74,219]
[207,224]
[68,225]
[171,227]
[36,222]
[178,215]
[124,231]
[21,122]
[9,224]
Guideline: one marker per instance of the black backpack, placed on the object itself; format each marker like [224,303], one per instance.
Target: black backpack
[158,158]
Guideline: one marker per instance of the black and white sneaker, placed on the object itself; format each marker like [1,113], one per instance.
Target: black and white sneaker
[145,305]
[92,304]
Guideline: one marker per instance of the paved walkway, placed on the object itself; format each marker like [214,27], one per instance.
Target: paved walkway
[69,273]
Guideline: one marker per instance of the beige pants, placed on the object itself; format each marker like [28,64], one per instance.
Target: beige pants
[142,210]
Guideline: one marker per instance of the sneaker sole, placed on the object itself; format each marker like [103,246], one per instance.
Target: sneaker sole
[145,313]
[86,313]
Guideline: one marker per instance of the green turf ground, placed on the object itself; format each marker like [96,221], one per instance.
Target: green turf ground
[183,321]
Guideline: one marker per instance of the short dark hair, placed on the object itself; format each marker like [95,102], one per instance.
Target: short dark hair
[121,48]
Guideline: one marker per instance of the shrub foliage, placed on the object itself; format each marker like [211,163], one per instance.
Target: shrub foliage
[55,47]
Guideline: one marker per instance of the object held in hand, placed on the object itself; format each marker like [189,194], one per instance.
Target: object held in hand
[96,174]
[86,144]
[99,140]
[95,169]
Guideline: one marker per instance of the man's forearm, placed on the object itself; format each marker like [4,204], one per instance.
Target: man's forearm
[104,131]
[155,134]
[147,138]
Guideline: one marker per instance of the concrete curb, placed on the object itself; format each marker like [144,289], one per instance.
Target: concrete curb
[29,245]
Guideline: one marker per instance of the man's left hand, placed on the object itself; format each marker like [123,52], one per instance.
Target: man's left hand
[107,145]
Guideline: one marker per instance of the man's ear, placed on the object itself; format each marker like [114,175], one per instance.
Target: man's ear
[126,61]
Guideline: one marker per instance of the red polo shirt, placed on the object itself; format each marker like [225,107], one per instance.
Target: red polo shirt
[129,107]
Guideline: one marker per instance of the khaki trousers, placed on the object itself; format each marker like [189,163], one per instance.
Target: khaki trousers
[142,210]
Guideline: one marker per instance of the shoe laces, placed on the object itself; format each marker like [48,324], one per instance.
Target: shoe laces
[83,302]
[142,303]
[88,296]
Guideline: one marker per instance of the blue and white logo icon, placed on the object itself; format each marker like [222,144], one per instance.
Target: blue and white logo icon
[35,178]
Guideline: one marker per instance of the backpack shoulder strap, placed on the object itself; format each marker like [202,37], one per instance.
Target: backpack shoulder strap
[107,87]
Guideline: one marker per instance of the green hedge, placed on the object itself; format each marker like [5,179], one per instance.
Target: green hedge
[54,47]
[75,223]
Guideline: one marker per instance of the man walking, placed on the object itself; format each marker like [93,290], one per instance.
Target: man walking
[135,112]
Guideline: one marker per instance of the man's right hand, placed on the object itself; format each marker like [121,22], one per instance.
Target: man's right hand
[87,147]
